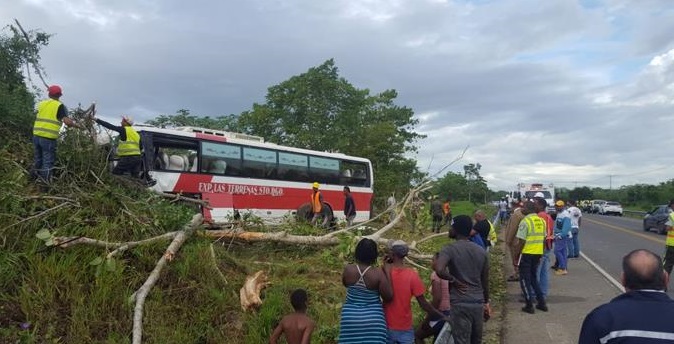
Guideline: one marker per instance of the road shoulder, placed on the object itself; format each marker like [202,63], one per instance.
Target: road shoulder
[571,298]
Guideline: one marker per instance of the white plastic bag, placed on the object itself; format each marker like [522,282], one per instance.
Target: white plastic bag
[445,335]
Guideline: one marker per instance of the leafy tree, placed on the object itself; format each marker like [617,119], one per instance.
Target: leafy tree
[16,100]
[183,118]
[320,110]
[474,181]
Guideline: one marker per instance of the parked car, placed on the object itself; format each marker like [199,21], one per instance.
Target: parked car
[611,208]
[596,205]
[656,219]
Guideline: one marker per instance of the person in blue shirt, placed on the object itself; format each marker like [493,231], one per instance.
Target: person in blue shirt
[643,314]
[561,233]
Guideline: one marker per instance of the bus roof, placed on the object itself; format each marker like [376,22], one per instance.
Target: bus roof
[238,138]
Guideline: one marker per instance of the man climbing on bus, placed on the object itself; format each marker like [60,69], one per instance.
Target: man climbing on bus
[317,206]
[128,148]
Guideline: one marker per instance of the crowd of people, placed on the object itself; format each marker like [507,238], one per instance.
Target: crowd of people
[378,305]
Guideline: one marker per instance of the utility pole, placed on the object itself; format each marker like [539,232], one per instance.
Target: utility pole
[610,182]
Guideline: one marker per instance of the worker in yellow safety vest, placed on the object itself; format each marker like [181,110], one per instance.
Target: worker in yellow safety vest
[128,148]
[531,234]
[317,205]
[50,114]
[668,262]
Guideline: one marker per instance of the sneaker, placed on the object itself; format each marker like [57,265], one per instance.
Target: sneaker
[543,307]
[513,278]
[528,309]
[554,267]
[561,272]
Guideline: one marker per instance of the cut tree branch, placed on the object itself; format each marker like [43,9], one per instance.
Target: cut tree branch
[140,295]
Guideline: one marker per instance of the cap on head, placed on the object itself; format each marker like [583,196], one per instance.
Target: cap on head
[54,91]
[399,248]
[559,203]
[127,119]
[315,185]
[462,224]
[539,195]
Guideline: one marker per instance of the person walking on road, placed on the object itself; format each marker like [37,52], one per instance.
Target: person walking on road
[466,267]
[562,232]
[436,214]
[643,314]
[510,240]
[349,207]
[575,215]
[531,234]
[669,244]
[542,272]
[50,114]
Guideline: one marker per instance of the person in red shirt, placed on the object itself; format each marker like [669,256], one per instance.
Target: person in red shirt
[406,284]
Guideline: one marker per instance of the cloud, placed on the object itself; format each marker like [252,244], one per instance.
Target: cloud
[551,91]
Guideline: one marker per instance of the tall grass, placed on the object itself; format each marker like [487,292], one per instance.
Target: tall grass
[56,296]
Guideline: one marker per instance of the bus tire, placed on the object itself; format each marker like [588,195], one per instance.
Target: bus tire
[305,213]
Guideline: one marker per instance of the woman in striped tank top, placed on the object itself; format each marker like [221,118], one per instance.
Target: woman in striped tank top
[362,318]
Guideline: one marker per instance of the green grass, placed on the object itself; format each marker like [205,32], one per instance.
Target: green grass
[59,297]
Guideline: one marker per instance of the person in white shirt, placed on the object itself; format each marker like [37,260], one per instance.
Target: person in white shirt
[575,214]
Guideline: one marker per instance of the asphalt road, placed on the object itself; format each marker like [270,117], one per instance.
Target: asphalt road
[606,239]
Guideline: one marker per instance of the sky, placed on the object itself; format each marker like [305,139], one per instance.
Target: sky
[574,93]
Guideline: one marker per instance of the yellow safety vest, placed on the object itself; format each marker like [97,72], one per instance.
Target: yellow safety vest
[316,202]
[670,232]
[492,233]
[535,235]
[46,124]
[131,146]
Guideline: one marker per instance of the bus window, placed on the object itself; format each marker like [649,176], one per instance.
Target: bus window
[174,155]
[324,170]
[259,163]
[293,167]
[354,174]
[220,158]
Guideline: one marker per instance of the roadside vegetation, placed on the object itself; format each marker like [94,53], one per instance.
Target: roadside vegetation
[50,294]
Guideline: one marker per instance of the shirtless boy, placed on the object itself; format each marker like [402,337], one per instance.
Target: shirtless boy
[297,326]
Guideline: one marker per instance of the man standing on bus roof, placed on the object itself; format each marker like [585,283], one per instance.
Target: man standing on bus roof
[317,205]
[128,148]
[349,206]
[50,113]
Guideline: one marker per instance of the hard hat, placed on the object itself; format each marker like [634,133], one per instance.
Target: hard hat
[559,203]
[127,119]
[316,185]
[54,90]
[539,194]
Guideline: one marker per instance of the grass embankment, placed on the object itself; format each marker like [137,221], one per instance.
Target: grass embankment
[56,295]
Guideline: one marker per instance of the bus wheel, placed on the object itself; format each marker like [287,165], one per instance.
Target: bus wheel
[327,213]
[304,213]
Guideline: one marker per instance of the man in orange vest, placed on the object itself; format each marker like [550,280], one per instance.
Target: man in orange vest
[50,114]
[317,205]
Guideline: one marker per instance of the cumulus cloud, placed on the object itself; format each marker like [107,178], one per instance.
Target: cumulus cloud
[551,91]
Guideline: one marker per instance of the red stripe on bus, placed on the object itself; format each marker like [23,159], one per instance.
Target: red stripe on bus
[211,137]
[249,196]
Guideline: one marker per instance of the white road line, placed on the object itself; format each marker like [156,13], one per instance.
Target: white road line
[603,272]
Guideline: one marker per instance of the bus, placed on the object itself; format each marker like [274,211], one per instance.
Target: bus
[238,173]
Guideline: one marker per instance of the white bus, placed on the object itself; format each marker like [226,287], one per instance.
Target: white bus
[242,173]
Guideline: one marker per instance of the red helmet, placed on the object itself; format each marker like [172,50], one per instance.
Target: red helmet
[55,90]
